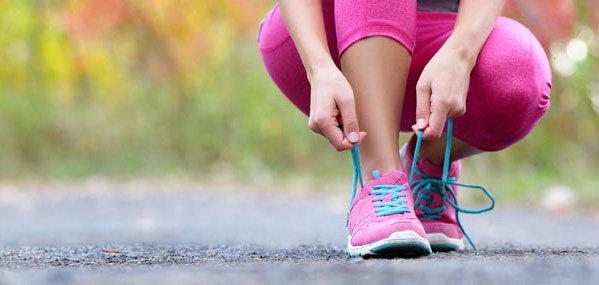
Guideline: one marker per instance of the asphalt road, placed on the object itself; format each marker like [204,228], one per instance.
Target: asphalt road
[231,236]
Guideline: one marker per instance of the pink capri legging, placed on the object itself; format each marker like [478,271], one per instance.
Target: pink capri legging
[509,86]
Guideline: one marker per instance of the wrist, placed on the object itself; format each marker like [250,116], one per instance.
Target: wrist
[316,66]
[463,49]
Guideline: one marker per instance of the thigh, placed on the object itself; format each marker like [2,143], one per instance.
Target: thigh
[282,60]
[509,86]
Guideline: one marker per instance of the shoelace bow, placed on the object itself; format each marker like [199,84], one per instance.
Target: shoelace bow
[422,188]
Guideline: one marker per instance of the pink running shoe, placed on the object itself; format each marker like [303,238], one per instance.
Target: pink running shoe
[436,214]
[381,218]
[435,191]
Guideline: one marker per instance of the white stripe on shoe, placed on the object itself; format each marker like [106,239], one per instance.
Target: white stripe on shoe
[400,244]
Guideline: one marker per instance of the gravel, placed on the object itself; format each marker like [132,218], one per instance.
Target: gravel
[191,238]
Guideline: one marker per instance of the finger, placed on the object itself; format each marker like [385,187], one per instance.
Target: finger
[423,103]
[313,126]
[336,137]
[362,136]
[415,129]
[436,124]
[351,130]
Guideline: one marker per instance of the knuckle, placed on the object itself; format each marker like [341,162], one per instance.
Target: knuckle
[421,87]
[457,109]
[313,126]
[435,134]
[350,125]
[346,102]
[320,120]
[344,99]
[444,102]
[435,131]
[457,103]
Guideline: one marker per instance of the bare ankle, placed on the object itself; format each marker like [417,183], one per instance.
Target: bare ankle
[433,150]
[383,166]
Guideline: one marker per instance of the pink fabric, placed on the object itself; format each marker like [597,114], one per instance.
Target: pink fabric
[447,224]
[509,87]
[366,227]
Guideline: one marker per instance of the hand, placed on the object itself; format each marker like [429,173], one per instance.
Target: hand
[332,104]
[441,90]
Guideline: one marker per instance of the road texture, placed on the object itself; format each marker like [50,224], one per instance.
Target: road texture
[231,236]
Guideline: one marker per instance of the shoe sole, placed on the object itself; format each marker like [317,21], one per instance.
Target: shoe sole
[441,242]
[398,244]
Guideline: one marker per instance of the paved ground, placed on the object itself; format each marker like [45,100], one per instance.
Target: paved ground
[231,237]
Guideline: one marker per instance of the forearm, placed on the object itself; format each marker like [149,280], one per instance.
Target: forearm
[305,23]
[473,25]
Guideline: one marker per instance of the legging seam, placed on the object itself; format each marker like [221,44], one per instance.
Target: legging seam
[270,49]
[367,26]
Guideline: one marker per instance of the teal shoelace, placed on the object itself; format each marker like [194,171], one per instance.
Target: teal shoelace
[396,193]
[423,188]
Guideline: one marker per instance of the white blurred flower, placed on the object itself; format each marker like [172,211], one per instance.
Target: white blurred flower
[589,36]
[559,199]
[595,101]
[563,64]
[577,49]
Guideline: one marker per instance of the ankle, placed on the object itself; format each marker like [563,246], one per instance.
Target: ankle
[433,151]
[382,166]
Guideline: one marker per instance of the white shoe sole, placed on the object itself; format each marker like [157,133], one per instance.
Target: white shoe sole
[398,244]
[441,242]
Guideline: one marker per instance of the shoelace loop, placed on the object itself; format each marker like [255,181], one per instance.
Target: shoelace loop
[423,188]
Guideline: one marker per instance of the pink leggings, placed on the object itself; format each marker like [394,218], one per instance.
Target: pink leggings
[509,86]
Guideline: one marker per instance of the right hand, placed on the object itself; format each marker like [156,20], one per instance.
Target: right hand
[332,104]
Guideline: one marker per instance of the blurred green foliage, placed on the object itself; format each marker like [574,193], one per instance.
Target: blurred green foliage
[176,88]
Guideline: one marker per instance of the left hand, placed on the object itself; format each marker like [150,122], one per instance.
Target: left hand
[441,90]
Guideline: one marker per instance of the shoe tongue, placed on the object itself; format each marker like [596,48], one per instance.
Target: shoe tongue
[391,177]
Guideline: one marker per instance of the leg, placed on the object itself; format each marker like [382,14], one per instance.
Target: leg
[377,69]
[376,40]
[379,86]
[375,60]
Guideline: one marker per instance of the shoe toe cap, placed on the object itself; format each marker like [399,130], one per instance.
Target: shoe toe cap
[378,230]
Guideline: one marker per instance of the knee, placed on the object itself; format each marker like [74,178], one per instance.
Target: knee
[514,74]
[272,32]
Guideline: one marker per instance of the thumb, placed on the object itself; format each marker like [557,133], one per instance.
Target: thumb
[423,104]
[351,128]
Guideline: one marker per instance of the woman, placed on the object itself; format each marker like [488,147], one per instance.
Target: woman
[379,67]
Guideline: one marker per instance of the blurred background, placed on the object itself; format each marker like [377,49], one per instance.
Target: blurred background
[175,90]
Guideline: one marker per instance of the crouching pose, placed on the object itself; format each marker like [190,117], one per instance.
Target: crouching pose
[459,76]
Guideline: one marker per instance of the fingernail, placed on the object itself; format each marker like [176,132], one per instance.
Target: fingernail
[421,123]
[353,137]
